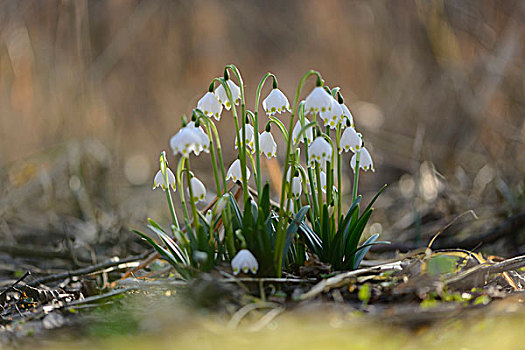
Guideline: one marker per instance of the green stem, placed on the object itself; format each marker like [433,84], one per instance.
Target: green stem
[208,121]
[356,176]
[339,187]
[256,127]
[237,74]
[281,233]
[196,222]
[164,172]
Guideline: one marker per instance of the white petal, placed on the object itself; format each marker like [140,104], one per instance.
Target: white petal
[199,191]
[319,100]
[245,261]
[210,105]
[267,145]
[350,140]
[297,130]
[276,102]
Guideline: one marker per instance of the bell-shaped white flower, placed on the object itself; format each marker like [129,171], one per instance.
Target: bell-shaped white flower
[159,181]
[234,172]
[199,191]
[220,92]
[297,129]
[334,116]
[244,261]
[190,139]
[267,145]
[350,140]
[209,217]
[297,187]
[210,105]
[318,101]
[347,115]
[319,151]
[250,137]
[276,102]
[365,160]
[220,205]
[322,176]
[205,140]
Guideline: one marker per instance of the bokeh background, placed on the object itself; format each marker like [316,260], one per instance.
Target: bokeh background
[437,88]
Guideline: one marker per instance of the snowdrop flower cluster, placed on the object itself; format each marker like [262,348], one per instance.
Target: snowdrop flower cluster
[321,124]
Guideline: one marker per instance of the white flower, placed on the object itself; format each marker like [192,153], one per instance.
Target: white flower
[365,161]
[276,102]
[347,114]
[318,101]
[250,137]
[210,105]
[319,151]
[205,140]
[199,191]
[267,145]
[209,217]
[220,92]
[159,180]
[333,116]
[244,261]
[297,129]
[296,187]
[220,205]
[322,176]
[189,139]
[234,172]
[350,140]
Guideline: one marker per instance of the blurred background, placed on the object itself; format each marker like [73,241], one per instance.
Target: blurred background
[91,92]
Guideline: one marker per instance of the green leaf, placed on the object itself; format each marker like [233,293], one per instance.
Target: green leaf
[292,229]
[354,238]
[360,252]
[161,250]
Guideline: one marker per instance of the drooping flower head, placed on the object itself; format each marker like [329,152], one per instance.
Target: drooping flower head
[350,140]
[334,116]
[190,139]
[347,115]
[210,105]
[234,172]
[159,181]
[318,101]
[276,102]
[199,191]
[322,176]
[297,187]
[220,92]
[319,151]
[250,137]
[267,145]
[297,129]
[365,161]
[244,261]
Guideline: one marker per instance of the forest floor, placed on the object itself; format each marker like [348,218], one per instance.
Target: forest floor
[73,276]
